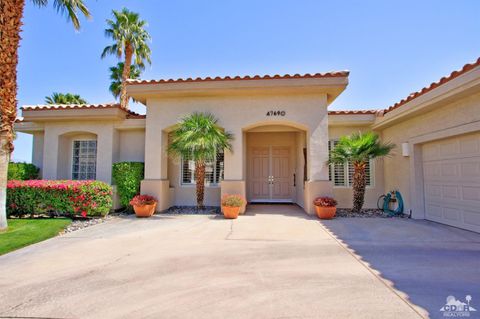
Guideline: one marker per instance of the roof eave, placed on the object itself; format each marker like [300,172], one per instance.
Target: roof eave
[332,86]
[466,84]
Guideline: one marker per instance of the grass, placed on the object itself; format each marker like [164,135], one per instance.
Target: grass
[24,232]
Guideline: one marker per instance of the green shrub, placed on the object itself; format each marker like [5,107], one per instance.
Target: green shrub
[127,177]
[22,171]
[65,198]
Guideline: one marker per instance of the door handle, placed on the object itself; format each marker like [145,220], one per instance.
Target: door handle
[294,180]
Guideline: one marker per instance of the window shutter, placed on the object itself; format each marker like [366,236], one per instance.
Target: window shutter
[342,174]
[219,167]
[213,170]
[188,170]
[337,171]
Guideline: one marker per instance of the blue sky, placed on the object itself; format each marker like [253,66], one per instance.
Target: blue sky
[392,48]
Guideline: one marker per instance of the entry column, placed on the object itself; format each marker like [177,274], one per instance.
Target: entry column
[318,183]
[156,181]
[50,153]
[234,164]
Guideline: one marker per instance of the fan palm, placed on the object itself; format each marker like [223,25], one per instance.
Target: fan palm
[11,12]
[358,149]
[130,41]
[64,98]
[116,73]
[199,137]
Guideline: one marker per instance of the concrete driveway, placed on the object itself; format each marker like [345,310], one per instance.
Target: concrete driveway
[425,260]
[275,262]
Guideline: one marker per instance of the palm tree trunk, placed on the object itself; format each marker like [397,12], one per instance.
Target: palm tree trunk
[126,75]
[200,182]
[359,185]
[11,12]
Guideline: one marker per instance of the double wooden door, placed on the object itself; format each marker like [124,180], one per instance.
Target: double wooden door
[270,174]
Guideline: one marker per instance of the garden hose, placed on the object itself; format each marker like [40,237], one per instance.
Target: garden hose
[386,203]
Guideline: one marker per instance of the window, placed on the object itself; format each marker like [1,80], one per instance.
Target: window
[342,174]
[84,161]
[213,171]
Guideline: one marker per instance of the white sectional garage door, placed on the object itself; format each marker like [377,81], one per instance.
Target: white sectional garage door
[451,171]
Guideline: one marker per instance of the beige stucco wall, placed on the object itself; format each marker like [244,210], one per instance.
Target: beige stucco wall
[185,195]
[37,150]
[117,141]
[398,169]
[131,146]
[65,153]
[54,159]
[236,114]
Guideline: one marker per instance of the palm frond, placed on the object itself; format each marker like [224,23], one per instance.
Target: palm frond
[40,3]
[128,31]
[111,50]
[64,98]
[116,77]
[199,137]
[71,9]
[359,148]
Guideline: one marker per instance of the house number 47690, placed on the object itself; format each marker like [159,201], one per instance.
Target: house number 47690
[276,113]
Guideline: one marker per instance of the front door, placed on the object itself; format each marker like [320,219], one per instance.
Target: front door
[270,174]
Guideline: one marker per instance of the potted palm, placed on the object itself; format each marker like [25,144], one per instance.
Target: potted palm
[144,205]
[231,205]
[325,207]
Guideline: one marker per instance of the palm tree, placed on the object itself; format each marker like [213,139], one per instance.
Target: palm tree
[468,298]
[199,137]
[11,12]
[64,98]
[116,73]
[358,149]
[130,40]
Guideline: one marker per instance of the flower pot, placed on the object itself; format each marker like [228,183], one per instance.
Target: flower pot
[230,212]
[144,210]
[325,212]
[243,209]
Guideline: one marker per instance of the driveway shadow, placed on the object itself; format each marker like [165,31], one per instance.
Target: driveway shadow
[290,210]
[426,260]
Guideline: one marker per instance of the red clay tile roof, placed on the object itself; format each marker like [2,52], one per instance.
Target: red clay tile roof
[332,74]
[130,114]
[352,112]
[445,79]
[69,106]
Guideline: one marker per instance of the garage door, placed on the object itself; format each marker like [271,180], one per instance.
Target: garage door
[451,171]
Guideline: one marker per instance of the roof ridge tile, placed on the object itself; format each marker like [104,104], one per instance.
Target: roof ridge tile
[245,78]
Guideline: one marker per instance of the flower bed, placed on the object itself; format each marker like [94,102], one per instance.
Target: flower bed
[65,198]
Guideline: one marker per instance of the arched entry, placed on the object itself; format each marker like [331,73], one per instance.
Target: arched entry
[275,163]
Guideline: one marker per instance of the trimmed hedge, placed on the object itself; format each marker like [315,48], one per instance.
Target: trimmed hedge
[22,171]
[127,177]
[65,198]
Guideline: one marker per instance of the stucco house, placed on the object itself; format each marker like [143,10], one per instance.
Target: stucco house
[283,132]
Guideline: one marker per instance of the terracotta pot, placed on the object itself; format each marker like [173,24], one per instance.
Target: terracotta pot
[230,212]
[243,209]
[325,212]
[145,210]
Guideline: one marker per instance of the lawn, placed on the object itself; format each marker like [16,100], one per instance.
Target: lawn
[24,232]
